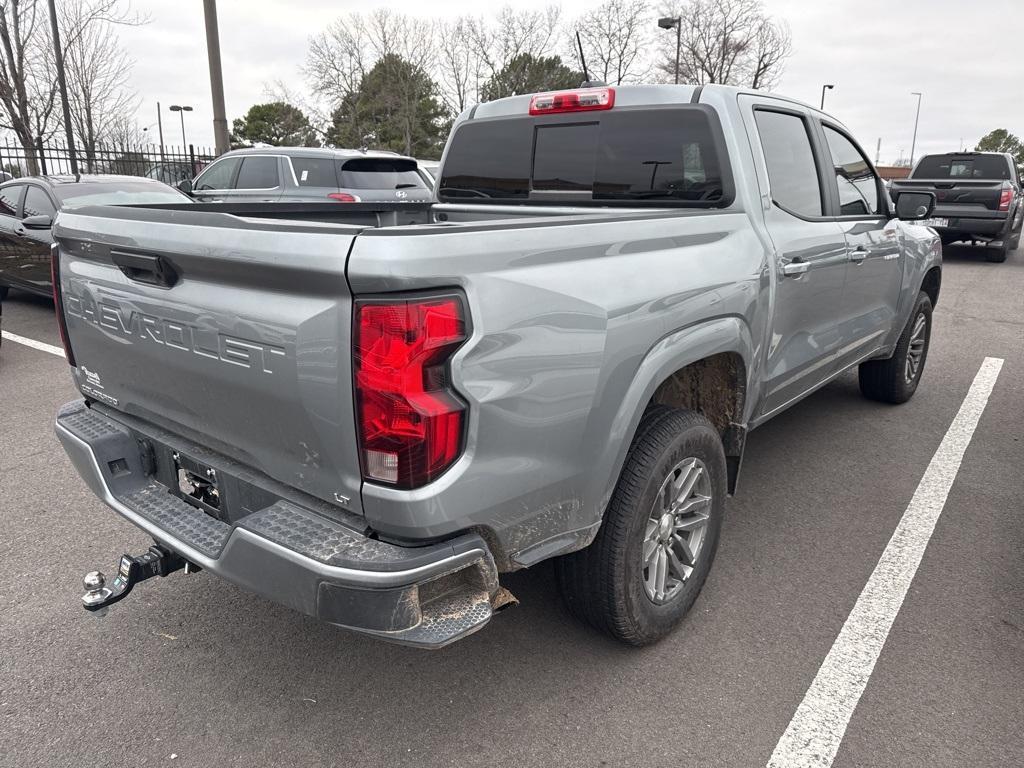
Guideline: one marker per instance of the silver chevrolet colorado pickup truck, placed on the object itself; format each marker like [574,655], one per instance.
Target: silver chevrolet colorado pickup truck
[368,412]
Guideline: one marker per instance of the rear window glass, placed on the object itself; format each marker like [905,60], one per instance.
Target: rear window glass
[379,173]
[314,171]
[966,167]
[663,155]
[118,193]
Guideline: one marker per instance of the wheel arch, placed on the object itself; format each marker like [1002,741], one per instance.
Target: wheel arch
[705,368]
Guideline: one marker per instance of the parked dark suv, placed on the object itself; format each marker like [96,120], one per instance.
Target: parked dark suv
[27,208]
[309,174]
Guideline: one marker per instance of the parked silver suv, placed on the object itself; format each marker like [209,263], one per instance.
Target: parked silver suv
[306,174]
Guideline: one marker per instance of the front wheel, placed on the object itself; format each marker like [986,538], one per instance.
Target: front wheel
[647,565]
[895,380]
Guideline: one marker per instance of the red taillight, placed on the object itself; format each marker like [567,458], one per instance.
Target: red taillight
[58,304]
[1005,198]
[343,197]
[410,421]
[585,100]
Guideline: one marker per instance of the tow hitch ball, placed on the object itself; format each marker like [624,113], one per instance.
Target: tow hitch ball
[158,561]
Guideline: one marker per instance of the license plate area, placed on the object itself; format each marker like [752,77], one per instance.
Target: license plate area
[198,484]
[934,222]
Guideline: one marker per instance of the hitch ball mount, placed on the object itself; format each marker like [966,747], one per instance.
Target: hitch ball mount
[157,561]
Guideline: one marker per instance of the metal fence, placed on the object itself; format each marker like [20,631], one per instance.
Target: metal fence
[168,163]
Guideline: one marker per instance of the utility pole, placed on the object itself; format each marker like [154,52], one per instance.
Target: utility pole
[220,120]
[878,150]
[160,127]
[62,83]
[913,143]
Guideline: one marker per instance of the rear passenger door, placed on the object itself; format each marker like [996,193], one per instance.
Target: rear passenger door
[810,250]
[871,297]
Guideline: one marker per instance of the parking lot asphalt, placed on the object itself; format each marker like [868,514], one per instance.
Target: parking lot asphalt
[195,670]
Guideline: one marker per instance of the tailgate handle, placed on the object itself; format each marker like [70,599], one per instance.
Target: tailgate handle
[153,270]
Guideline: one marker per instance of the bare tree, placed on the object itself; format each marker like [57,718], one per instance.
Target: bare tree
[458,65]
[102,104]
[27,90]
[514,32]
[732,42]
[615,40]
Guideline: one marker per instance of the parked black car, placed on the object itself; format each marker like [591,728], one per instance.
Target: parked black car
[27,208]
[977,198]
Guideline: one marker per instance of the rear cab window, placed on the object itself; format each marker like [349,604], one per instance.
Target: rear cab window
[962,167]
[661,156]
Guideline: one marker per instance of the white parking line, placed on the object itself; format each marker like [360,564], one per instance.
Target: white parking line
[818,727]
[33,343]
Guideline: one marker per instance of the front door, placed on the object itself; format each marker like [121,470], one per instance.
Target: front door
[810,256]
[34,260]
[11,246]
[871,298]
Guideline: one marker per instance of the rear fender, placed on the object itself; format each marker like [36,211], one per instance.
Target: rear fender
[672,353]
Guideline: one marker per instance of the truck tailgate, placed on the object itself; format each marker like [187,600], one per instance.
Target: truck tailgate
[961,197]
[231,332]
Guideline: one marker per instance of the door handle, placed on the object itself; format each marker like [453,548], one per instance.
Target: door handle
[857,255]
[795,268]
[153,270]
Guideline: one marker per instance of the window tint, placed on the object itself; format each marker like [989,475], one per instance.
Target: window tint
[791,170]
[218,175]
[965,167]
[858,186]
[37,203]
[257,173]
[314,171]
[657,156]
[9,197]
[379,173]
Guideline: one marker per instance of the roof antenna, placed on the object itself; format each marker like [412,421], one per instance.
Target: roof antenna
[587,82]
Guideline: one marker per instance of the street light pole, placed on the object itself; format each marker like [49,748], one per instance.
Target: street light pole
[58,54]
[913,143]
[668,22]
[181,110]
[160,127]
[828,86]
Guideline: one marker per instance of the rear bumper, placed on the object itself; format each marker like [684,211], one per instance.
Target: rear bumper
[426,596]
[967,225]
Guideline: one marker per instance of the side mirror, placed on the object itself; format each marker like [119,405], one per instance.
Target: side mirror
[43,221]
[914,205]
[185,185]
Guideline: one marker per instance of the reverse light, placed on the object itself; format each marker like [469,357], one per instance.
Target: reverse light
[58,305]
[343,197]
[584,100]
[1005,198]
[409,419]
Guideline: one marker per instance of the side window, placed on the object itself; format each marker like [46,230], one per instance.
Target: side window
[791,170]
[314,171]
[257,173]
[9,197]
[218,175]
[38,203]
[857,183]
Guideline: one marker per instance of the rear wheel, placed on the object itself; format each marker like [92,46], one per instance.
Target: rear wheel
[998,255]
[642,573]
[3,292]
[895,379]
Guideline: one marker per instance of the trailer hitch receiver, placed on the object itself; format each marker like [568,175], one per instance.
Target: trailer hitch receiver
[157,561]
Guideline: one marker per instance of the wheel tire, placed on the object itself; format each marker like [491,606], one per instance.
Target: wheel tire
[3,292]
[604,584]
[998,255]
[887,380]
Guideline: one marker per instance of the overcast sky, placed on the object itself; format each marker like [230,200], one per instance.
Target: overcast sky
[875,51]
